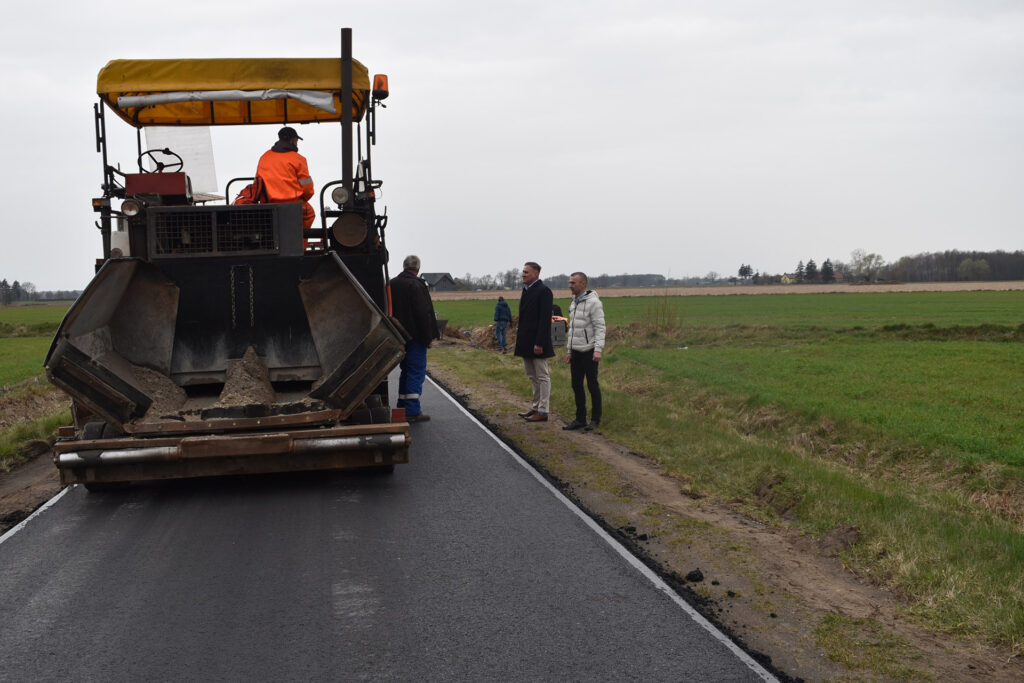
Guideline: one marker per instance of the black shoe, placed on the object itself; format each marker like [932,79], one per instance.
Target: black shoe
[422,417]
[592,426]
[575,424]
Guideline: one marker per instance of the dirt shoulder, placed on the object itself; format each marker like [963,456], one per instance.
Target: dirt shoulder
[785,597]
[26,488]
[33,482]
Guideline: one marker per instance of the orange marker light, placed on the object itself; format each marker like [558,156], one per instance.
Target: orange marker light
[380,87]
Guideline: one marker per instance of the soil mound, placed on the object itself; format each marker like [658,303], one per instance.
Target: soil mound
[248,383]
[167,396]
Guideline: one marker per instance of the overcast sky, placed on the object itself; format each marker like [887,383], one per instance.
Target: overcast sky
[672,137]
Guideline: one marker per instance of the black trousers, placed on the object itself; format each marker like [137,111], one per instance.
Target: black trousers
[582,364]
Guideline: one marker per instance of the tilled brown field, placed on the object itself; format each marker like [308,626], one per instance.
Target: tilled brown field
[734,290]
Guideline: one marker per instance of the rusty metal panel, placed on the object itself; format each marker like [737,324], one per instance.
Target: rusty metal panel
[213,446]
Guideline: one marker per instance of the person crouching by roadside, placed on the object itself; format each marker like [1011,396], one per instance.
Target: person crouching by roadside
[411,304]
[502,318]
[585,344]
[533,340]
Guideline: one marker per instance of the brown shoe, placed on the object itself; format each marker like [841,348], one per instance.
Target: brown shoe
[527,415]
[538,417]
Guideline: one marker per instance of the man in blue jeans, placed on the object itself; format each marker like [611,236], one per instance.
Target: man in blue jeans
[411,305]
[502,317]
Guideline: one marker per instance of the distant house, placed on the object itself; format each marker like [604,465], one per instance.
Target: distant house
[439,282]
[788,279]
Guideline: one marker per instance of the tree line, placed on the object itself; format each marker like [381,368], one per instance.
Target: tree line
[946,266]
[862,266]
[512,279]
[15,292]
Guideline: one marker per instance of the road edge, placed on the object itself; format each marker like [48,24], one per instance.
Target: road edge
[632,557]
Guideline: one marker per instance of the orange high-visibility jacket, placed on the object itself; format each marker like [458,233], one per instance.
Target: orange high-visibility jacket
[286,176]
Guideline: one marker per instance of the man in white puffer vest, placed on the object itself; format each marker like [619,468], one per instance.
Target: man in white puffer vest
[585,344]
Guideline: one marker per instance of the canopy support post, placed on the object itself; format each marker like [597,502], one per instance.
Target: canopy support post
[346,113]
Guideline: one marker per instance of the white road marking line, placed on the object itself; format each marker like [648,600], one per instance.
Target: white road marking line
[658,582]
[16,528]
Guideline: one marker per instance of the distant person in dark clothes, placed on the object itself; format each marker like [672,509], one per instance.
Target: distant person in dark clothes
[533,340]
[502,318]
[411,304]
[585,344]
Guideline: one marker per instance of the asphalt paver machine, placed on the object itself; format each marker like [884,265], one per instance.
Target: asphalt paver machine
[227,339]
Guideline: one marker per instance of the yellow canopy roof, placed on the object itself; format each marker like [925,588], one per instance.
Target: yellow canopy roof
[211,92]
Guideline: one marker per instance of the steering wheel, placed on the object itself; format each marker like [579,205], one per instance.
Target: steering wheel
[176,165]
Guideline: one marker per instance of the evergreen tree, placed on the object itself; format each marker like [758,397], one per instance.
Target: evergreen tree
[800,273]
[828,273]
[811,271]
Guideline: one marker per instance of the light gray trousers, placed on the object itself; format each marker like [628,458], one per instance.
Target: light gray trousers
[540,378]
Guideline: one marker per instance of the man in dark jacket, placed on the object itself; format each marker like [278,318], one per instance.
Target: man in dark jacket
[411,304]
[533,340]
[502,317]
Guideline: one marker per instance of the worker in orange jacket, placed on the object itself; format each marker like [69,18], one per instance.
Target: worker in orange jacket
[285,174]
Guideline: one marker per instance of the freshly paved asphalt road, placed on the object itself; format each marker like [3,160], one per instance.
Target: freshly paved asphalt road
[460,566]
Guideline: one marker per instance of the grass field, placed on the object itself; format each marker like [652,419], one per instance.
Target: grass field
[940,369]
[788,311]
[898,413]
[31,321]
[25,336]
[961,398]
[21,358]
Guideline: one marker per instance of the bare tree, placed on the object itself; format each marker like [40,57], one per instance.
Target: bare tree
[865,266]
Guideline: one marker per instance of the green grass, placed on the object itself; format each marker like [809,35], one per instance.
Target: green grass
[21,358]
[963,398]
[30,437]
[864,644]
[31,321]
[25,335]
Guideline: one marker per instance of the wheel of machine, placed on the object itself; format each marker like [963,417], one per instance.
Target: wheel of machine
[93,430]
[102,430]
